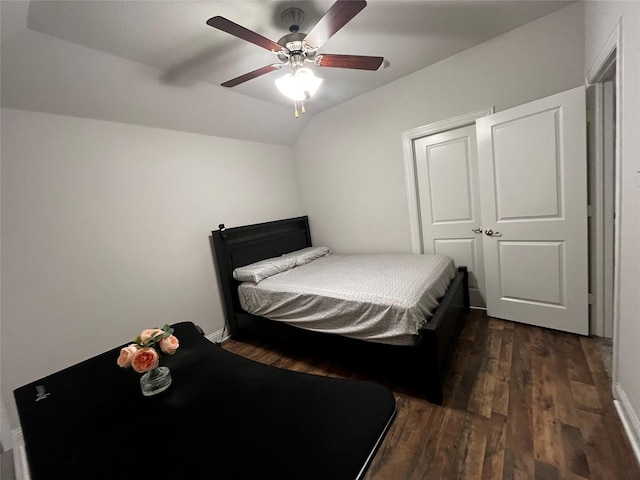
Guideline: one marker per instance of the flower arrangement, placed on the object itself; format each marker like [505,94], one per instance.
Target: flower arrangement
[142,355]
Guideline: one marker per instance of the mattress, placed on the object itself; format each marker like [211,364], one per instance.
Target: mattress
[384,298]
[224,417]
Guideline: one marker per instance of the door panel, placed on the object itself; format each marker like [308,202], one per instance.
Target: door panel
[543,281]
[448,176]
[526,155]
[447,181]
[532,170]
[463,250]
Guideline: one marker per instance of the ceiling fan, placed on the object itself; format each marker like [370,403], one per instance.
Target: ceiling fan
[295,49]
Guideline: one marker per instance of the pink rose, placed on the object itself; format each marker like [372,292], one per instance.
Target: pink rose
[144,359]
[126,354]
[150,333]
[169,345]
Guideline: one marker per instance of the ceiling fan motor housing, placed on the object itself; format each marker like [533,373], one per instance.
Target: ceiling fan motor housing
[294,45]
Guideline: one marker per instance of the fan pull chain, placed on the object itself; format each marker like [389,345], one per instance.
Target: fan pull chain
[302,109]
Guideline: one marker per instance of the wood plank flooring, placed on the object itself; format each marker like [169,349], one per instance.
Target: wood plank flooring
[521,402]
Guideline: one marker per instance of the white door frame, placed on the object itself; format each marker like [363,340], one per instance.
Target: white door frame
[601,131]
[408,138]
[611,50]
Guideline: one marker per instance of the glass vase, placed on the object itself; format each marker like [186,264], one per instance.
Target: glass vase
[155,381]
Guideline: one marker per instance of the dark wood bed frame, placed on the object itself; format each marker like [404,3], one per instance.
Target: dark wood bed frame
[428,359]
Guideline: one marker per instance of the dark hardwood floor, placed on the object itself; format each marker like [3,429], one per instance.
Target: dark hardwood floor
[520,403]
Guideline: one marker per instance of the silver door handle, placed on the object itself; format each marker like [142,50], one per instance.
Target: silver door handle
[477,230]
[491,233]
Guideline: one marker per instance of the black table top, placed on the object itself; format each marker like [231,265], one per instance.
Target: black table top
[223,417]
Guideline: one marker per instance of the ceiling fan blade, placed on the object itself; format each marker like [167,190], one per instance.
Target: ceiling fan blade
[359,62]
[239,31]
[251,75]
[336,17]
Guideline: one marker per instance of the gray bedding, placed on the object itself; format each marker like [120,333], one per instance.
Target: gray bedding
[384,298]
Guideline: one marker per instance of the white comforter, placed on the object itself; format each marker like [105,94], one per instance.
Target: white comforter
[383,298]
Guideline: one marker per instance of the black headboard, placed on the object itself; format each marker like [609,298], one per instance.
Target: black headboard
[239,246]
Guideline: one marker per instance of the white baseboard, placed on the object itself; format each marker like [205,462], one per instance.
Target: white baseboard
[216,336]
[629,419]
[20,456]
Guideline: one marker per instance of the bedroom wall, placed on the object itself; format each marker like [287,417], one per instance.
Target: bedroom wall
[349,159]
[600,22]
[106,231]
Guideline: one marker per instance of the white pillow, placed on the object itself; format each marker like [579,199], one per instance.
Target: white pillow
[307,255]
[256,272]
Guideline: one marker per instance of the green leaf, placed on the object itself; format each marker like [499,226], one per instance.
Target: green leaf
[168,331]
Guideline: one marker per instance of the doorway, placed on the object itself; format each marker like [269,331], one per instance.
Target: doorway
[532,221]
[458,233]
[601,137]
[603,167]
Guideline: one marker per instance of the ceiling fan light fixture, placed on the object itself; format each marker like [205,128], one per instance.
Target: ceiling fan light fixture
[295,49]
[299,86]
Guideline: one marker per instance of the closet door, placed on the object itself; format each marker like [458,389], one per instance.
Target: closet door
[533,173]
[447,178]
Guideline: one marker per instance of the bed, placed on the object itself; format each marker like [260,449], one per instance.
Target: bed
[419,338]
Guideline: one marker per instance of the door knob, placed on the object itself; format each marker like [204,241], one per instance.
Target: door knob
[477,230]
[491,233]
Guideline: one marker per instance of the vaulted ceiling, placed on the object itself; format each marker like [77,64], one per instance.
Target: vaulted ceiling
[173,39]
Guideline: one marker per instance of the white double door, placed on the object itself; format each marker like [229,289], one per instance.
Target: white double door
[508,198]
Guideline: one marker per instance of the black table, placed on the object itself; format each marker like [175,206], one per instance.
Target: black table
[223,417]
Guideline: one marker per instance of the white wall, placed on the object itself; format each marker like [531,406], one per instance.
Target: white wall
[349,158]
[601,19]
[105,232]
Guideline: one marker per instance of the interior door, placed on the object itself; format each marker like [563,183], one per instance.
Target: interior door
[533,173]
[447,178]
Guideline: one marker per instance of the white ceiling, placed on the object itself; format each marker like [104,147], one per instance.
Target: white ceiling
[172,36]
